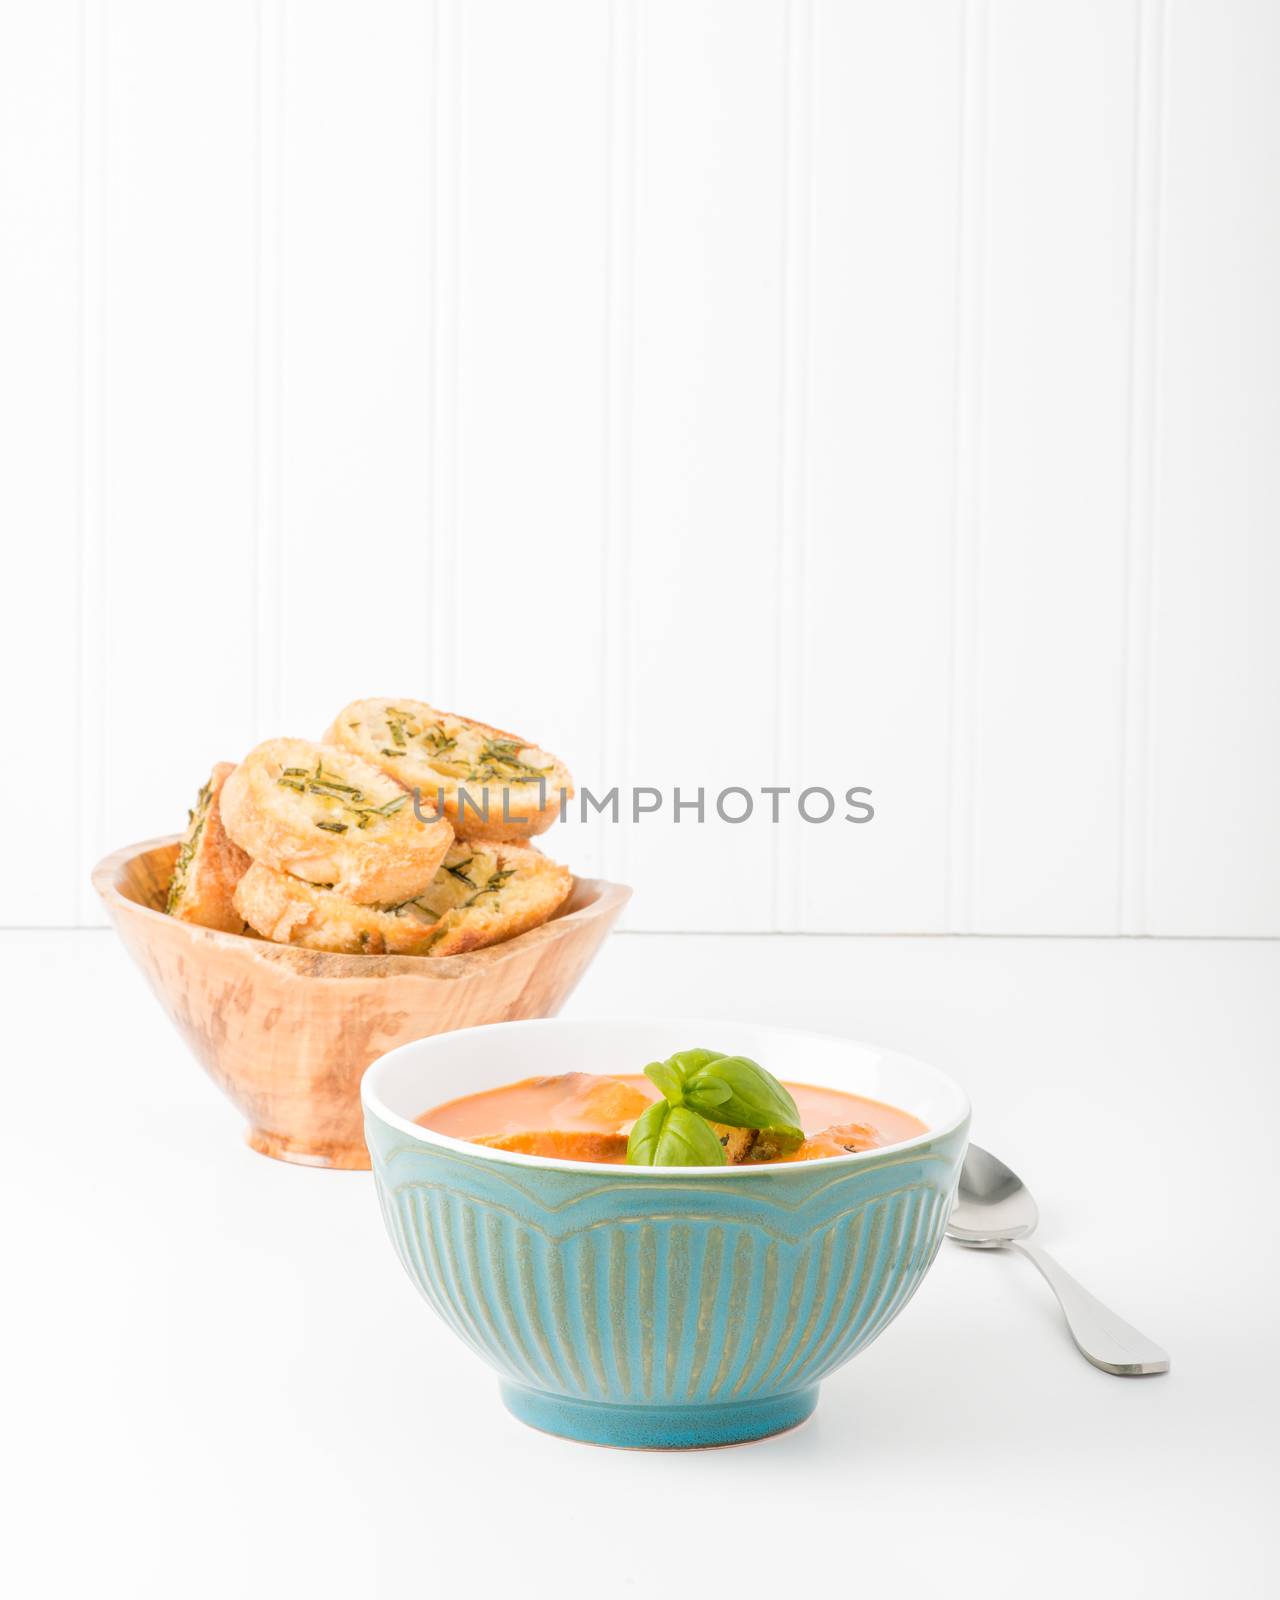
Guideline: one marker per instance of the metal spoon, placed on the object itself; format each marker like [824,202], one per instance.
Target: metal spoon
[993,1211]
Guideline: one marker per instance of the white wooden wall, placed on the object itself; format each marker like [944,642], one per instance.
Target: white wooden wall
[720,391]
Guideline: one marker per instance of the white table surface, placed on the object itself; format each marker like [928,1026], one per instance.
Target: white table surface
[220,1382]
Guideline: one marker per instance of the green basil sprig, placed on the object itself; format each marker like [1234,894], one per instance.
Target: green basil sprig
[707,1086]
[739,1092]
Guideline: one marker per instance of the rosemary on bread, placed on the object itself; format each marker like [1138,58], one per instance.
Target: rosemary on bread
[321,814]
[489,783]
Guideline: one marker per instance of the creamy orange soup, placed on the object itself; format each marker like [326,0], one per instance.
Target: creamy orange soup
[587,1116]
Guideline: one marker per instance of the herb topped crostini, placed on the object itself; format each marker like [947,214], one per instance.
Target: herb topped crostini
[209,864]
[323,815]
[479,896]
[490,784]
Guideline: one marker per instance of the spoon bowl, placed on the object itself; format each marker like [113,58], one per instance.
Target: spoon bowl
[993,1206]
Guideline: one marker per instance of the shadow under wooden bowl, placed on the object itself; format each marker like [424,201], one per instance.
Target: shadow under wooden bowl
[288,1033]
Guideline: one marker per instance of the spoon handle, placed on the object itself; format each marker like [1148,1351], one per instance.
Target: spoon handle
[1100,1336]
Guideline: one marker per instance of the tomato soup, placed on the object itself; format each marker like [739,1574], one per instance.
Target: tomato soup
[587,1117]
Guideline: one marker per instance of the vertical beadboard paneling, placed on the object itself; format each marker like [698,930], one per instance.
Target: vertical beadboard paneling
[177,276]
[796,358]
[846,393]
[1049,582]
[1148,186]
[268,331]
[1214,865]
[532,345]
[444,95]
[873,702]
[616,519]
[89,642]
[359,345]
[39,510]
[705,463]
[972,144]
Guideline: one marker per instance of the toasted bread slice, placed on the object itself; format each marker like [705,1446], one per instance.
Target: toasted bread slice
[486,892]
[606,1101]
[288,911]
[480,896]
[562,1144]
[323,815]
[577,1144]
[844,1139]
[209,864]
[738,1142]
[490,784]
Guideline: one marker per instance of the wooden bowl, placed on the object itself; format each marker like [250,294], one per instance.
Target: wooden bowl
[288,1033]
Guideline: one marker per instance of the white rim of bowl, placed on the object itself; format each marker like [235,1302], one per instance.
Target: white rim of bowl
[372,1103]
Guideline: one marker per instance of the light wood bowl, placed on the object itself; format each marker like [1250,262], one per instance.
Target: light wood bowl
[288,1033]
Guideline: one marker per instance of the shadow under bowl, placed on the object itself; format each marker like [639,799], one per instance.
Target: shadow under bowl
[660,1307]
[287,1033]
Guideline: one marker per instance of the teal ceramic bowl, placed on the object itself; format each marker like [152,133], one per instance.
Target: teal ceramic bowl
[659,1308]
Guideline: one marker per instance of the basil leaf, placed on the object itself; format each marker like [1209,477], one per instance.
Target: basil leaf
[712,1091]
[755,1100]
[673,1136]
[642,1144]
[668,1079]
[687,1062]
[688,1141]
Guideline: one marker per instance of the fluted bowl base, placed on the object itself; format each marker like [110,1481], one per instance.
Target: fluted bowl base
[306,1153]
[685,1427]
